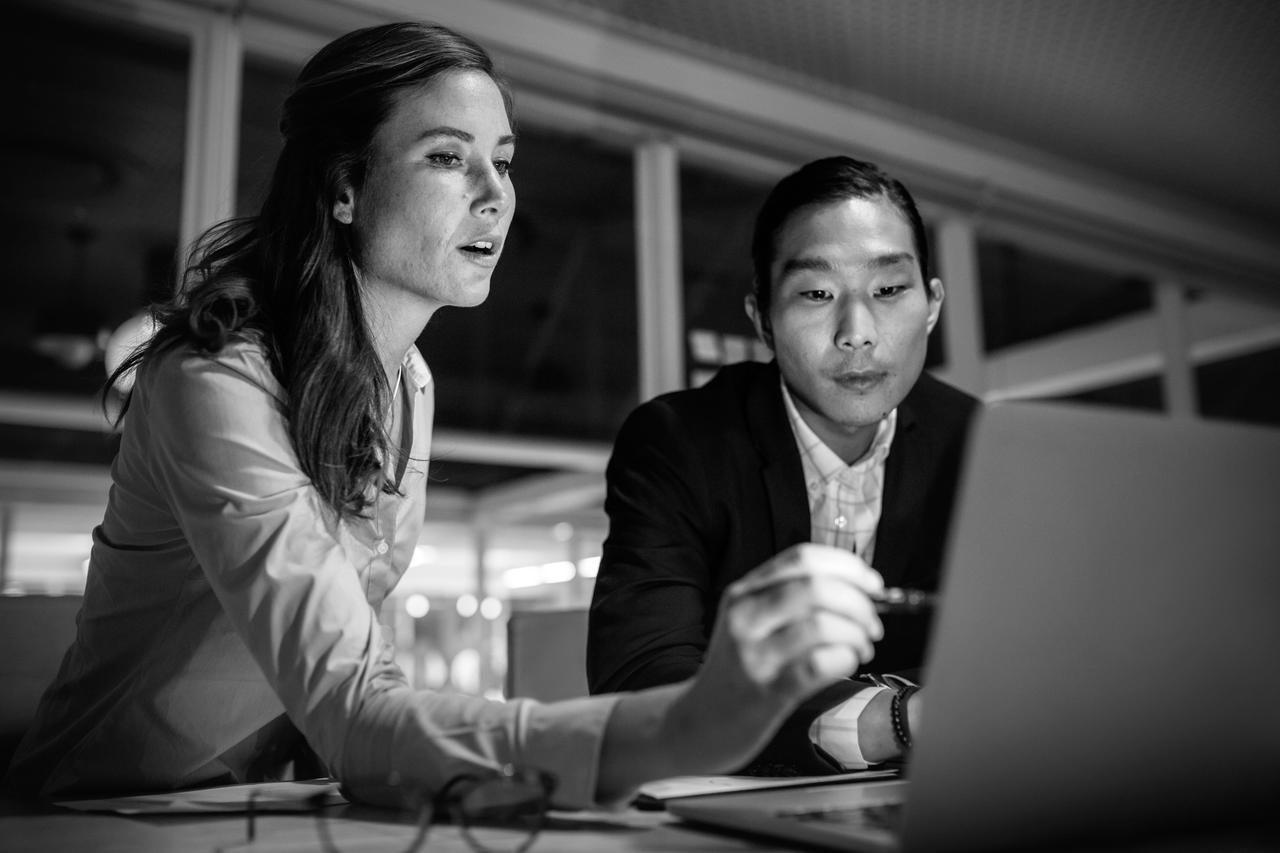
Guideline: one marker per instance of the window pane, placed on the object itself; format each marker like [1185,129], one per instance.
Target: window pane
[48,546]
[718,212]
[266,84]
[93,179]
[1147,393]
[55,444]
[1246,388]
[1028,295]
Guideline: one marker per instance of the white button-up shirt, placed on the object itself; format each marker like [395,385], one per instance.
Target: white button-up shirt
[223,592]
[844,510]
[844,500]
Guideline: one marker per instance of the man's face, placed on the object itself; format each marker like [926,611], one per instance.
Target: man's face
[437,199]
[851,316]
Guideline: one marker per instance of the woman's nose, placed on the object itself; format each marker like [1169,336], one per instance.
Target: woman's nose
[492,195]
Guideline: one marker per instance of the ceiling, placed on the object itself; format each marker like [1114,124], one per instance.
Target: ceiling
[1178,97]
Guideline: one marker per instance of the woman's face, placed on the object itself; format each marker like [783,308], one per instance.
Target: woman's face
[437,198]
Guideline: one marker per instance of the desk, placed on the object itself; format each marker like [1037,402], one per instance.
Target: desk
[361,829]
[355,829]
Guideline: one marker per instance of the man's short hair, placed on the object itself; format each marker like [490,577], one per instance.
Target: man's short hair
[825,181]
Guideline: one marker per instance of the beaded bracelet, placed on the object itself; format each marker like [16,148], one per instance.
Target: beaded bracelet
[898,716]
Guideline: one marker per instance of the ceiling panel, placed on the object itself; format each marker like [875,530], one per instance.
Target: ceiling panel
[1182,96]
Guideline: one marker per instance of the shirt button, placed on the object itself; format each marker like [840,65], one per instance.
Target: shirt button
[841,521]
[382,547]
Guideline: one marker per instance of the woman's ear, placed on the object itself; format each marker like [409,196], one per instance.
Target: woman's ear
[344,206]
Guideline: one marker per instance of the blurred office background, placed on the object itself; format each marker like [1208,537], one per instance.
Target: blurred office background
[1100,178]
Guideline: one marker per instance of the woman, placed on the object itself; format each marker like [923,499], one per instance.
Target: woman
[269,488]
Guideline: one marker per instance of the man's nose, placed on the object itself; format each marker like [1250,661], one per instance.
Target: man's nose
[857,327]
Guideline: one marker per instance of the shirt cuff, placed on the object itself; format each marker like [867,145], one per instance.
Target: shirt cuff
[564,739]
[836,731]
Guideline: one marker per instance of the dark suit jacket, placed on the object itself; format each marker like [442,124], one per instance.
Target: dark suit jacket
[706,484]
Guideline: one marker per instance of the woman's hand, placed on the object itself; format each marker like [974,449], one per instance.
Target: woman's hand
[788,628]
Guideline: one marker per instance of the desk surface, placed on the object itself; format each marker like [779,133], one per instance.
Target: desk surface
[354,828]
[361,829]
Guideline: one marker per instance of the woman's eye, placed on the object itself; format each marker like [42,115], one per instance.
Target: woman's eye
[502,167]
[444,158]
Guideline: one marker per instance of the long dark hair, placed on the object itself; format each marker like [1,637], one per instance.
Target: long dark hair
[288,277]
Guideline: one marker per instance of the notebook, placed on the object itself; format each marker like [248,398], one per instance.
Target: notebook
[1104,661]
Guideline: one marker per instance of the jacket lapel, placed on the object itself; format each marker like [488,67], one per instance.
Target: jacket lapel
[780,467]
[893,531]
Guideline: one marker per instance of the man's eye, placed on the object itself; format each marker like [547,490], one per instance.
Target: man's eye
[444,158]
[890,290]
[815,295]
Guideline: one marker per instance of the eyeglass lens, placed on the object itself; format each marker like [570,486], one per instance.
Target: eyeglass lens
[502,814]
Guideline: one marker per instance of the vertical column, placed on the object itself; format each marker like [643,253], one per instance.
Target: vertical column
[958,268]
[487,627]
[213,126]
[6,531]
[1178,377]
[658,286]
[579,589]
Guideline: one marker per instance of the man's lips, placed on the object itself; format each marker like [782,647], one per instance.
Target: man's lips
[859,380]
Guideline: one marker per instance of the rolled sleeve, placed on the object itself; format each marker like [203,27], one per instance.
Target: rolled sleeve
[835,732]
[268,546]
[565,739]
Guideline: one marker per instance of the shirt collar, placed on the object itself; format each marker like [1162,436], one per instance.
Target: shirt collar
[415,367]
[826,461]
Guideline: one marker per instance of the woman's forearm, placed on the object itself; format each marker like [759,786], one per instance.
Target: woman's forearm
[635,749]
[675,731]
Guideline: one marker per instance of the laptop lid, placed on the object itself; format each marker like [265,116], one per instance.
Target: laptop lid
[1102,664]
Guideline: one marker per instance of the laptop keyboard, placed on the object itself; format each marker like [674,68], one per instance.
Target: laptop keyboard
[887,816]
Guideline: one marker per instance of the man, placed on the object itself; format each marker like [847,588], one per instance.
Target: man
[840,440]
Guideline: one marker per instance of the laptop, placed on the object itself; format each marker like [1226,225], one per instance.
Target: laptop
[1104,663]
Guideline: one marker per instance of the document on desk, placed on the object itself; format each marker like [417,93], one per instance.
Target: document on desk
[260,796]
[654,794]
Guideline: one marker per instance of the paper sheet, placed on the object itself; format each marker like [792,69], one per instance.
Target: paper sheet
[692,786]
[267,797]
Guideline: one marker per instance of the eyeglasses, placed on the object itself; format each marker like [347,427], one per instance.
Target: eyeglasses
[502,813]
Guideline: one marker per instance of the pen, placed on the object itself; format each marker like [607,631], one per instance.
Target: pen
[896,599]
